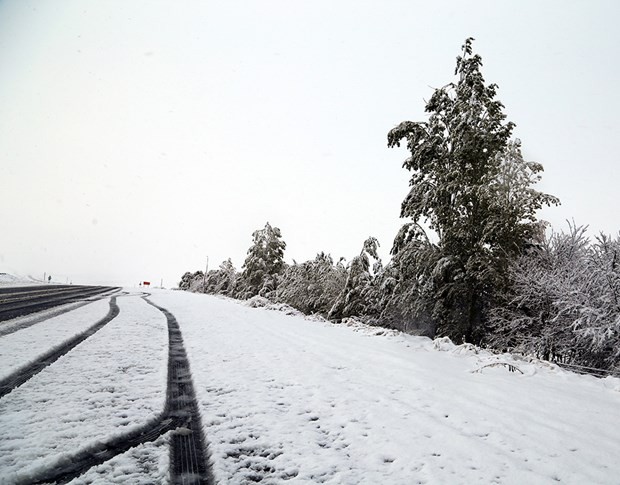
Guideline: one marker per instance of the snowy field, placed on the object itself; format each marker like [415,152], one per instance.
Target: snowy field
[8,280]
[287,399]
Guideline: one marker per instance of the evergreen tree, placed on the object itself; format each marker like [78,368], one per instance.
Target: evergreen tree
[463,188]
[265,261]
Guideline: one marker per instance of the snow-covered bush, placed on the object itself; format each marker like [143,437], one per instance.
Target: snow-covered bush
[405,287]
[192,281]
[359,297]
[185,281]
[257,302]
[312,286]
[223,280]
[563,303]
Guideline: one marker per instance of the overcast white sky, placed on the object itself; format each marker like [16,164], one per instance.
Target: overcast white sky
[138,137]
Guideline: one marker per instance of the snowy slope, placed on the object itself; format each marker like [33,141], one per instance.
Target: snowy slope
[7,279]
[283,397]
[287,399]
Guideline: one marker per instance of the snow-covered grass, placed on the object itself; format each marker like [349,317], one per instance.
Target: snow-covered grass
[111,383]
[285,398]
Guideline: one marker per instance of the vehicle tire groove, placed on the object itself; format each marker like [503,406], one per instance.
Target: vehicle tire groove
[30,320]
[189,457]
[22,375]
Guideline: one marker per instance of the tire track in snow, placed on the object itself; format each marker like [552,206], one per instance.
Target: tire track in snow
[28,321]
[189,457]
[22,375]
[25,303]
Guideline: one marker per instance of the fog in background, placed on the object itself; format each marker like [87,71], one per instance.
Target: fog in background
[139,137]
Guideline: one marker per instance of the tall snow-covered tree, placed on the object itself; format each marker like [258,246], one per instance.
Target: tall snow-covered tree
[469,185]
[264,262]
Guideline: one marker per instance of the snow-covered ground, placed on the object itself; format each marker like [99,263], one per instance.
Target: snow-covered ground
[284,398]
[22,347]
[7,279]
[112,382]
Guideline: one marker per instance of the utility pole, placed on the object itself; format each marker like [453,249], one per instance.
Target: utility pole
[204,277]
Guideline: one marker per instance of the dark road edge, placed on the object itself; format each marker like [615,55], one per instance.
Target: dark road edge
[189,455]
[22,375]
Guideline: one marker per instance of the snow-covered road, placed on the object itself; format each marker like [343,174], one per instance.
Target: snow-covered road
[112,382]
[285,398]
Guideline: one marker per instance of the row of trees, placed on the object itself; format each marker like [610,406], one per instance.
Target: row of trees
[262,269]
[472,262]
[561,301]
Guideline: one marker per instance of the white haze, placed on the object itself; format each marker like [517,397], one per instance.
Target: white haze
[138,138]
